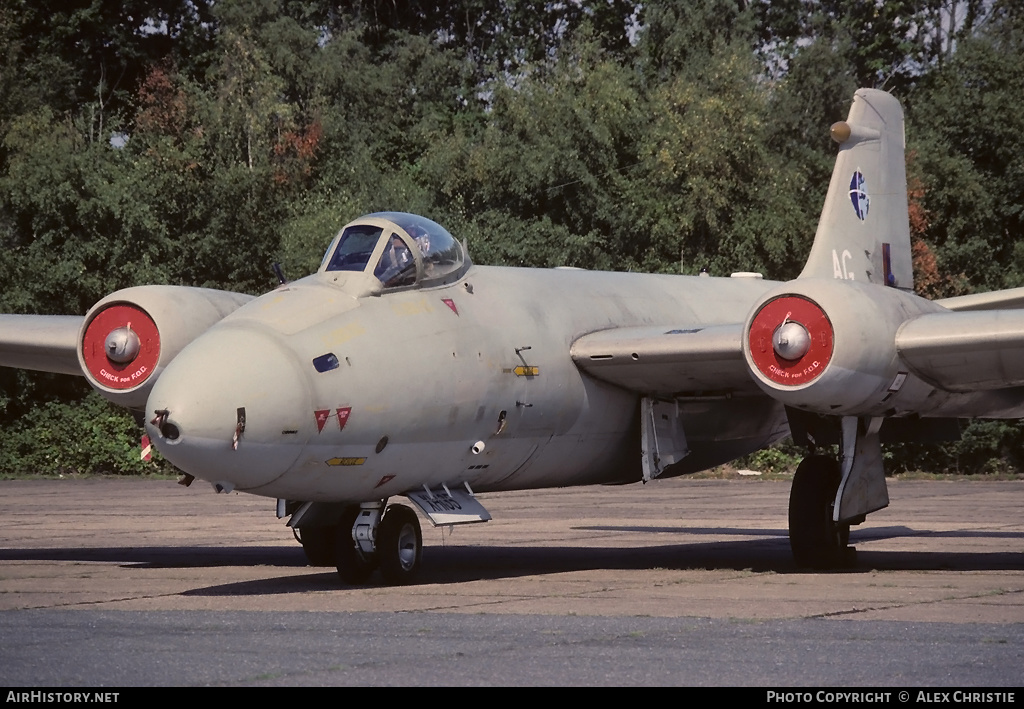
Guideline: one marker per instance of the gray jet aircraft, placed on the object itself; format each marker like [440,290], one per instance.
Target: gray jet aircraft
[401,369]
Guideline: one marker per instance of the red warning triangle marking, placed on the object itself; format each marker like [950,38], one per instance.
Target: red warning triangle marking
[321,418]
[451,304]
[343,417]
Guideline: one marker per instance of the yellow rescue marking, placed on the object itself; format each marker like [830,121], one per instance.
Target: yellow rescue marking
[526,371]
[272,302]
[344,334]
[345,461]
[412,307]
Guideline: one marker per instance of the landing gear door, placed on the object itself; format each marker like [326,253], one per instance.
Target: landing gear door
[663,441]
[446,507]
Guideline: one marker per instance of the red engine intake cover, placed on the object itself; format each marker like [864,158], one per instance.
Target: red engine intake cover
[121,375]
[769,318]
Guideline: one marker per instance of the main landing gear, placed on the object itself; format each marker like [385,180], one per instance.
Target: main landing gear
[816,540]
[319,544]
[829,495]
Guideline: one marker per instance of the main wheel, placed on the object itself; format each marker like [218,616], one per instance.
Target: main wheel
[399,545]
[353,566]
[815,539]
[319,544]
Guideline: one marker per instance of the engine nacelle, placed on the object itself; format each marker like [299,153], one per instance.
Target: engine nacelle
[130,336]
[829,346]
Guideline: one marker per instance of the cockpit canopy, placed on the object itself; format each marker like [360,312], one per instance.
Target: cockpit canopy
[398,249]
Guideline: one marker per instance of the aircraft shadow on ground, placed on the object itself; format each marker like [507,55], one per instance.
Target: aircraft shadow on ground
[767,552]
[868,534]
[770,553]
[165,557]
[465,564]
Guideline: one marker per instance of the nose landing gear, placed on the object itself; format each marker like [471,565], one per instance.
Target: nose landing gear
[399,545]
[366,539]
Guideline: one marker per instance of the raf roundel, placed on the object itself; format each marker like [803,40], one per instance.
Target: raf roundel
[859,195]
[791,340]
[121,347]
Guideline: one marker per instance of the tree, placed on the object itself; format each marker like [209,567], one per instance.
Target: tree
[968,133]
[721,198]
[89,56]
[542,176]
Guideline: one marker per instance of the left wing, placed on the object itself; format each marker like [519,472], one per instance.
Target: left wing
[667,359]
[974,349]
[47,343]
[965,351]
[1011,299]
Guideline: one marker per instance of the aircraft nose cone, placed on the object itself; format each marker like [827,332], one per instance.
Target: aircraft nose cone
[230,408]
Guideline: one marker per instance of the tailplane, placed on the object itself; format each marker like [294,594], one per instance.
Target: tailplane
[864,231]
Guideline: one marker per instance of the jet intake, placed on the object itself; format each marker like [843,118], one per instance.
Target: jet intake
[829,346]
[791,341]
[131,335]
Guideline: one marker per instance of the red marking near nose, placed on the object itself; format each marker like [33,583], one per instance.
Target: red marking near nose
[321,419]
[384,481]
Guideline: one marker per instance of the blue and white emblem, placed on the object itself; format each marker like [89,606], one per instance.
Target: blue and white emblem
[859,195]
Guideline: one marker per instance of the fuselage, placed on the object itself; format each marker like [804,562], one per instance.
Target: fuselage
[310,393]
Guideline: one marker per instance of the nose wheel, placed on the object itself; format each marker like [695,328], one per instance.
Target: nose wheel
[366,540]
[399,545]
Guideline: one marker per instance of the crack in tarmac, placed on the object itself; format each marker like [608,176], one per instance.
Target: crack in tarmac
[891,606]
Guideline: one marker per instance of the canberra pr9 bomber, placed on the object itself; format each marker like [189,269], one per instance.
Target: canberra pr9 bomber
[402,369]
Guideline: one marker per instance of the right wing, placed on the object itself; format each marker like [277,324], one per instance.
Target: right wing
[47,343]
[164,320]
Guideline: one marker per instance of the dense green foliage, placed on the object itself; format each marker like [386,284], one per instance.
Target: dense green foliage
[61,438]
[196,142]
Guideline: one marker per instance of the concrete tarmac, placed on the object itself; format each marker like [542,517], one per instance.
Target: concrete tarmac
[675,582]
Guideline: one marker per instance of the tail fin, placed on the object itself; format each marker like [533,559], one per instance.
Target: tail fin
[864,231]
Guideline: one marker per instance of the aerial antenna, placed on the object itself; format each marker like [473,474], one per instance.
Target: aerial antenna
[279,272]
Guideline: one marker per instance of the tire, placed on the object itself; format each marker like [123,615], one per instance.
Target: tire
[817,542]
[399,545]
[319,544]
[353,566]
